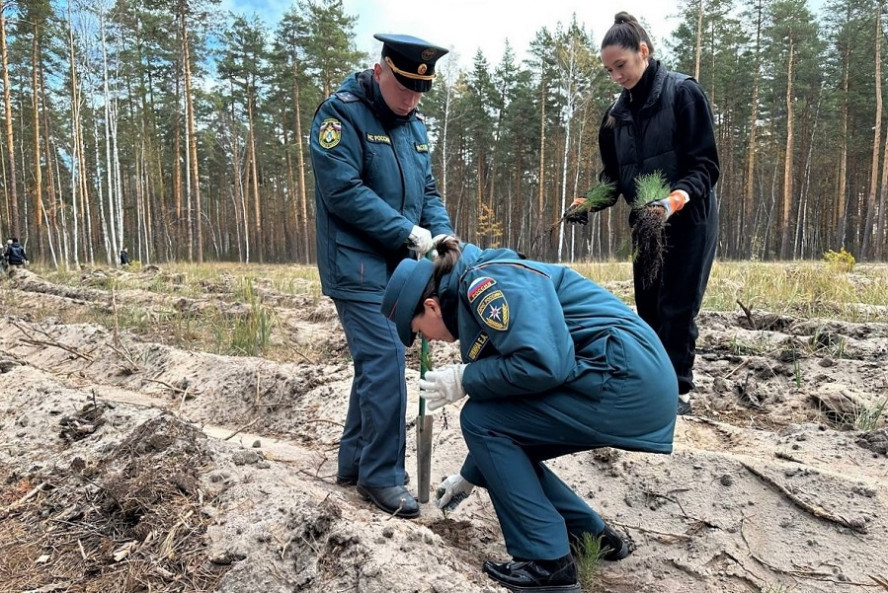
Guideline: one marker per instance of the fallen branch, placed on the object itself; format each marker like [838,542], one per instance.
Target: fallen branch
[35,342]
[748,314]
[815,510]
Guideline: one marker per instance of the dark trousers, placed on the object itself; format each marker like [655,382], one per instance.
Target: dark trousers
[671,302]
[509,438]
[374,438]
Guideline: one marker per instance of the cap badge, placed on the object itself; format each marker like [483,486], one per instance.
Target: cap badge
[428,53]
[422,69]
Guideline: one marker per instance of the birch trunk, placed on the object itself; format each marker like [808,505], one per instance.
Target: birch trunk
[866,231]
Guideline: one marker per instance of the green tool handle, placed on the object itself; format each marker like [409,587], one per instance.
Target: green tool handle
[424,357]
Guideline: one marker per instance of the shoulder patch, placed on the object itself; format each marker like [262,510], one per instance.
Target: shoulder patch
[494,310]
[479,286]
[346,97]
[330,133]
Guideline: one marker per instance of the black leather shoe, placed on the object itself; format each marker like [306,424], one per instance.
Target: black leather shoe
[394,500]
[353,480]
[536,576]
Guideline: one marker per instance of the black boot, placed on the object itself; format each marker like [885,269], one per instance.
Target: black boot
[394,500]
[353,480]
[536,576]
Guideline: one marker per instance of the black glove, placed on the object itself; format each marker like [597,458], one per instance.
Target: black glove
[577,214]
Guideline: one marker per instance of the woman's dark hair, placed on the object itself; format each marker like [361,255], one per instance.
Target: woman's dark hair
[449,252]
[627,32]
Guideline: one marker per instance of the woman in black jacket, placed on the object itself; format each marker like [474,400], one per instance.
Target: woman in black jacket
[662,123]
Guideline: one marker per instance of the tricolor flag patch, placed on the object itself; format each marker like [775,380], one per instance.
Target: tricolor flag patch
[479,286]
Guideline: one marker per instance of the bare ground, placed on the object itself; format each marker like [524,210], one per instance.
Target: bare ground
[128,463]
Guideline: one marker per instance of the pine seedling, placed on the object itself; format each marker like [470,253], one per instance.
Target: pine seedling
[649,188]
[600,196]
[648,231]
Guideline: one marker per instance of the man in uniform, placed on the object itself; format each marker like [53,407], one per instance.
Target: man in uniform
[377,203]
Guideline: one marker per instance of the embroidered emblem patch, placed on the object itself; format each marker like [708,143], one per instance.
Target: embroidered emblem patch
[421,147]
[378,138]
[330,133]
[478,345]
[494,310]
[479,286]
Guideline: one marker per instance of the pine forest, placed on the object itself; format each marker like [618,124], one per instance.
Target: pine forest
[180,131]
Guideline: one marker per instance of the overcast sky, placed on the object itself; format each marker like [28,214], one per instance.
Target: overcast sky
[468,25]
[465,26]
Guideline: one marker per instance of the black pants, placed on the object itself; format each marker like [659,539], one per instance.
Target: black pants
[670,303]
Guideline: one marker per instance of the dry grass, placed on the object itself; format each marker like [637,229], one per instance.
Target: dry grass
[810,289]
[223,307]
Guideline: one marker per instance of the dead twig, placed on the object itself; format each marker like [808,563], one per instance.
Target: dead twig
[680,536]
[31,494]
[748,314]
[167,385]
[814,510]
[881,581]
[242,428]
[121,351]
[788,457]
[30,339]
[182,401]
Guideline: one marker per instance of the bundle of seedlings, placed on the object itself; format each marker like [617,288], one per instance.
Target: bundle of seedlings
[648,232]
[600,196]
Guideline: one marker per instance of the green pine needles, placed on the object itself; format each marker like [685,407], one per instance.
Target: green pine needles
[649,188]
[600,196]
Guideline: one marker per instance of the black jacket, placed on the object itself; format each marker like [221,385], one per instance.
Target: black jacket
[664,123]
[15,254]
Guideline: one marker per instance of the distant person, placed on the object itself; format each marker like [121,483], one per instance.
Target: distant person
[552,364]
[662,122]
[377,203]
[124,257]
[4,263]
[15,254]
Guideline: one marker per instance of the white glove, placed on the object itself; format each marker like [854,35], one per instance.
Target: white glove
[420,240]
[452,491]
[443,386]
[673,202]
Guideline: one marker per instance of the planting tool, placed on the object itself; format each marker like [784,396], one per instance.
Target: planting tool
[424,426]
[423,432]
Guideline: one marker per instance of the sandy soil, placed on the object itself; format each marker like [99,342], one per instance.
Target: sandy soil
[128,464]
